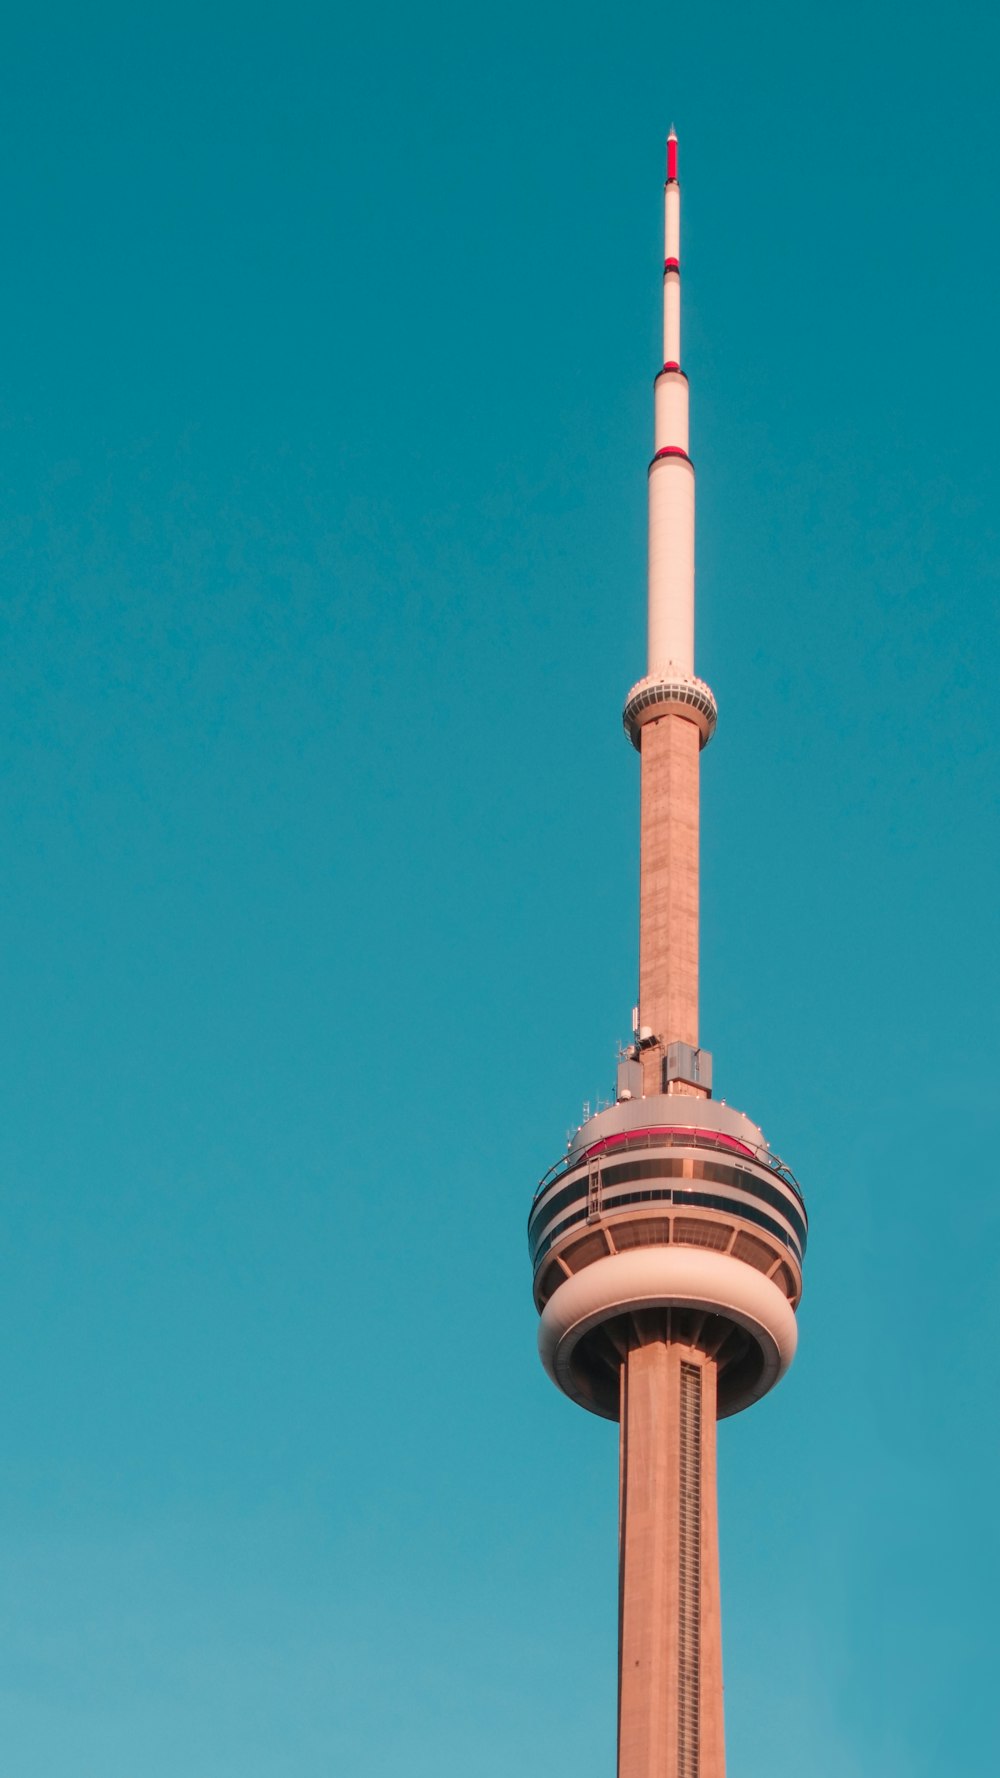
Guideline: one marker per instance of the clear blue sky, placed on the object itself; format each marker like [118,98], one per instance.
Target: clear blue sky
[324,416]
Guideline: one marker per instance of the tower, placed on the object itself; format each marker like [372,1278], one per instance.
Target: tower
[667,1242]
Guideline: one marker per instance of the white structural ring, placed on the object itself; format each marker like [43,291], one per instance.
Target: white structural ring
[670,695]
[669,1277]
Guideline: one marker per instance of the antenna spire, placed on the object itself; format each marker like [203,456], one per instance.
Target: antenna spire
[672,259]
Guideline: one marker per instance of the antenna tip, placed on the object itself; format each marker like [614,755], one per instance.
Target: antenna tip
[672,134]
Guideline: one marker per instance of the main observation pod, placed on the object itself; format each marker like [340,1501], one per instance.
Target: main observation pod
[668,1218]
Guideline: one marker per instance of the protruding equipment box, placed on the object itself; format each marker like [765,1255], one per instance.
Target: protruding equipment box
[684,1063]
[629,1077]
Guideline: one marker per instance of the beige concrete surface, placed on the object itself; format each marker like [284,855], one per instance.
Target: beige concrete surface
[668,888]
[670,1720]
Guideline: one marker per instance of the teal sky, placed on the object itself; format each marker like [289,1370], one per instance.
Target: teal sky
[328,339]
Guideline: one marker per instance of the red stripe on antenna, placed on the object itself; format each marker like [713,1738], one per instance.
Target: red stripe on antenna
[671,158]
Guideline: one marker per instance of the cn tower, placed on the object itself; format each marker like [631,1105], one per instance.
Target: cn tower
[667,1242]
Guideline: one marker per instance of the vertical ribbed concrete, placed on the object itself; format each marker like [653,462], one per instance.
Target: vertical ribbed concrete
[668,888]
[670,1637]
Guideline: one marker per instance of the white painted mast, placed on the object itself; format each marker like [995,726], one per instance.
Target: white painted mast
[671,475]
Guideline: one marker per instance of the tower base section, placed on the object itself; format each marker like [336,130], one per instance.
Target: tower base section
[670,1722]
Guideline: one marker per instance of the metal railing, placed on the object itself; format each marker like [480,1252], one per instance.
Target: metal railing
[675,1137]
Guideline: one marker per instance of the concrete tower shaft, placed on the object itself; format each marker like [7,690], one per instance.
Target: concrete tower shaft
[667,1243]
[669,1565]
